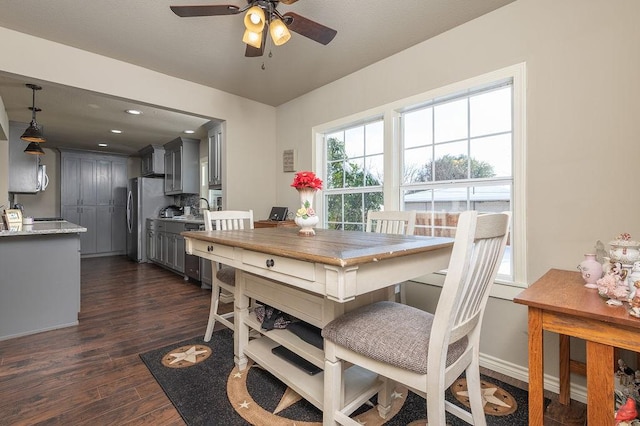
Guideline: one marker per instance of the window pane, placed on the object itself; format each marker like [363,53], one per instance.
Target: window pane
[417,165]
[335,175]
[491,112]
[354,142]
[353,210]
[490,199]
[375,138]
[417,127]
[375,170]
[373,201]
[335,146]
[354,173]
[450,121]
[334,208]
[491,156]
[451,161]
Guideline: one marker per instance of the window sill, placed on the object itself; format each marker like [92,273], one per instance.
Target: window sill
[501,289]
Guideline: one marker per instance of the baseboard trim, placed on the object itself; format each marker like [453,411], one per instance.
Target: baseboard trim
[551,383]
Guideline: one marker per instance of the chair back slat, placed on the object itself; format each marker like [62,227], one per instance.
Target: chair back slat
[391,222]
[228,220]
[477,253]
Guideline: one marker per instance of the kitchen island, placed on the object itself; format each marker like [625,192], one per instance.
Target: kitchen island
[39,278]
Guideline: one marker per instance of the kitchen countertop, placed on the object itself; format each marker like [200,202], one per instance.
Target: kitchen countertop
[182,219]
[44,228]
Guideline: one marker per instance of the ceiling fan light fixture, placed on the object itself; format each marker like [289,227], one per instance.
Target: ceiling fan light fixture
[254,20]
[34,148]
[252,39]
[279,32]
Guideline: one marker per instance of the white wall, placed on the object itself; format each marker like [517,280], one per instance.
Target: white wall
[583,131]
[246,139]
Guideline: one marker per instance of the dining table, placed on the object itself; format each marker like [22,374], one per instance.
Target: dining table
[314,279]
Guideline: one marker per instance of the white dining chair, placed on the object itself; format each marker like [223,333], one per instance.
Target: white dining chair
[223,277]
[392,222]
[425,352]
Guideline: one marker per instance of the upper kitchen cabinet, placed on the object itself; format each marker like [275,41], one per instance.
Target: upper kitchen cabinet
[152,161]
[215,157]
[23,167]
[181,166]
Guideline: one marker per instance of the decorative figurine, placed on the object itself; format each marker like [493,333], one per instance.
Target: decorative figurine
[627,411]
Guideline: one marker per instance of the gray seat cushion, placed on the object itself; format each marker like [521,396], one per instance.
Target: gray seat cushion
[390,332]
[227,275]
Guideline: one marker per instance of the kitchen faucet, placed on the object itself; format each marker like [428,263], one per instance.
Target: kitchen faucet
[206,201]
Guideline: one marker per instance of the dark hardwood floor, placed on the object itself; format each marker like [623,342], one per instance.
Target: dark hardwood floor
[91,373]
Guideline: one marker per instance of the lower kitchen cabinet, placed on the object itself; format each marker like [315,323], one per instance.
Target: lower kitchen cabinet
[85,216]
[165,245]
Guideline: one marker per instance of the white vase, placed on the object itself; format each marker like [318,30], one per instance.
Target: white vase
[306,217]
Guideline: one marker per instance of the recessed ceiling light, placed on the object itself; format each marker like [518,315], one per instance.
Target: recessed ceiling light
[189,131]
[102,144]
[116,131]
[133,111]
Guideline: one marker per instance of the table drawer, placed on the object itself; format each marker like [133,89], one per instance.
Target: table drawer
[281,265]
[204,248]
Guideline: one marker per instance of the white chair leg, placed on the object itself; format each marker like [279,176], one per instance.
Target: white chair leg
[213,311]
[435,403]
[474,388]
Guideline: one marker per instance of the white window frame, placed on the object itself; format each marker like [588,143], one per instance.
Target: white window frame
[393,155]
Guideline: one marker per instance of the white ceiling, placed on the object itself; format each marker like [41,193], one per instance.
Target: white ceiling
[209,51]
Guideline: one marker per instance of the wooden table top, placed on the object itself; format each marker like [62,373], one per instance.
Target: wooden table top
[564,292]
[331,247]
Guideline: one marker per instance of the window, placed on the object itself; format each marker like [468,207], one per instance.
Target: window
[354,175]
[452,149]
[457,155]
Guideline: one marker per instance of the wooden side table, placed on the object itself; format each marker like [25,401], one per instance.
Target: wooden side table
[274,224]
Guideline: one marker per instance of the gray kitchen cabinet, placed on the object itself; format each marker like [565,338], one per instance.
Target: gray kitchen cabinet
[152,160]
[205,271]
[215,157]
[85,216]
[78,181]
[23,167]
[182,166]
[168,246]
[93,194]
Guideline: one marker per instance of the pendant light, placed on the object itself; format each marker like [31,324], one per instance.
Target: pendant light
[34,148]
[33,132]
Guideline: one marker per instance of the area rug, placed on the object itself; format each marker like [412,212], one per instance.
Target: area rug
[203,384]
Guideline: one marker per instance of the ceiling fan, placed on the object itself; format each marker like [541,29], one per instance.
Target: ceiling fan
[262,17]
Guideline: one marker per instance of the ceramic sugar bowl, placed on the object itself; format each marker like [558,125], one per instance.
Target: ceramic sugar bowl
[624,250]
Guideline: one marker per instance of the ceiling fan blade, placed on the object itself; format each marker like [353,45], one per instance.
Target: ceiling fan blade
[288,1]
[189,11]
[308,28]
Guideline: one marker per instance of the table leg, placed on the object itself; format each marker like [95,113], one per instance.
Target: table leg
[241,330]
[600,400]
[536,368]
[565,370]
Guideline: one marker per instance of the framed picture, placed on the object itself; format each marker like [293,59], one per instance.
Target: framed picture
[12,218]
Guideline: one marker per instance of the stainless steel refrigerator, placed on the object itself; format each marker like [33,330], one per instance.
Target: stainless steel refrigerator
[144,200]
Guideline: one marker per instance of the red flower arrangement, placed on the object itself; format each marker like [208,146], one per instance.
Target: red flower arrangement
[307,180]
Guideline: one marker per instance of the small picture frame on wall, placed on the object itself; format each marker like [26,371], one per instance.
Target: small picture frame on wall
[289,160]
